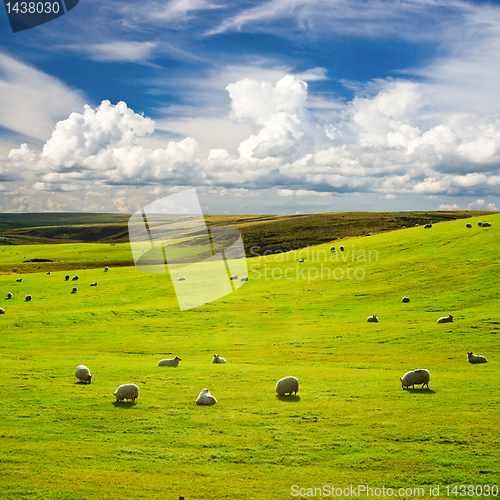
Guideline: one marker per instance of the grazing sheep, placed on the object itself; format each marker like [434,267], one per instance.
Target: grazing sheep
[480,223]
[420,376]
[2,311]
[486,224]
[9,295]
[301,260]
[427,226]
[93,284]
[181,279]
[170,362]
[74,290]
[27,298]
[244,279]
[233,278]
[341,248]
[48,272]
[82,373]
[218,359]
[74,278]
[405,299]
[127,391]
[287,385]
[19,280]
[106,269]
[372,319]
[332,249]
[474,358]
[446,319]
[66,277]
[469,225]
[205,398]
[403,227]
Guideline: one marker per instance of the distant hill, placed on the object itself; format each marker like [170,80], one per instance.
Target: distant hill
[261,232]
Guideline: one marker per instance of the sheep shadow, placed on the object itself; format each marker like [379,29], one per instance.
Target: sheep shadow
[420,390]
[124,405]
[81,382]
[289,399]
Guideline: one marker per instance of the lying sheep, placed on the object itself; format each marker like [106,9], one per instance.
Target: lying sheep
[27,298]
[82,373]
[2,311]
[9,295]
[420,376]
[474,358]
[170,362]
[75,278]
[48,272]
[66,277]
[287,385]
[427,226]
[74,290]
[205,398]
[301,260]
[244,279]
[405,299]
[446,319]
[218,359]
[469,225]
[372,319]
[486,224]
[341,248]
[93,284]
[181,279]
[127,391]
[233,278]
[19,279]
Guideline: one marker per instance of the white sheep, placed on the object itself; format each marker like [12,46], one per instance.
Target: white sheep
[474,358]
[287,385]
[332,249]
[74,290]
[74,278]
[82,373]
[127,391]
[106,269]
[19,280]
[218,359]
[28,298]
[9,295]
[446,319]
[405,299]
[486,224]
[205,398]
[2,311]
[244,279]
[233,278]
[480,223]
[468,225]
[420,376]
[170,362]
[372,319]
[48,272]
[427,226]
[301,260]
[93,284]
[341,248]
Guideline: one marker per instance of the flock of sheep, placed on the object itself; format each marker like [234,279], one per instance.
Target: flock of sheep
[125,392]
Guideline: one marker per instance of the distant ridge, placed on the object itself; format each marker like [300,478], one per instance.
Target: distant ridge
[261,233]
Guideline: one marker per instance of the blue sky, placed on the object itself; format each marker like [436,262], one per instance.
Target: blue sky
[280,106]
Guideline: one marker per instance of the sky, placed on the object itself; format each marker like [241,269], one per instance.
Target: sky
[263,106]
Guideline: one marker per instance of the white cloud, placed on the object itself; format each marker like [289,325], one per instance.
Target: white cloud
[32,101]
[121,51]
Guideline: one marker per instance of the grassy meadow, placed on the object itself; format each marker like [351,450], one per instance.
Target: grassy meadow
[351,422]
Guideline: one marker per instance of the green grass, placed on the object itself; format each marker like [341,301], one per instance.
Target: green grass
[351,424]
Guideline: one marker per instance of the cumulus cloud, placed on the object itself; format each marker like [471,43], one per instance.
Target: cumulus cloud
[395,141]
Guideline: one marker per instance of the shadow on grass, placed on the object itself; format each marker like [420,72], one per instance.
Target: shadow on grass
[420,391]
[289,399]
[123,404]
